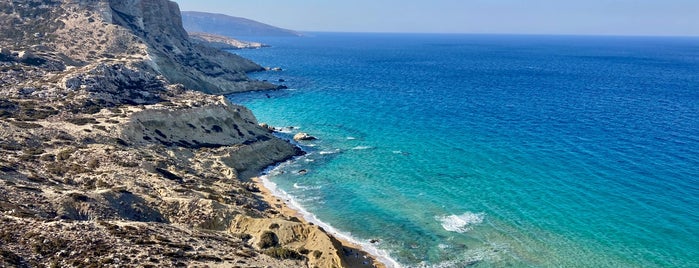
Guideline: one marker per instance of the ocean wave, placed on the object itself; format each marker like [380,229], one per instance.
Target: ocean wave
[351,138]
[461,223]
[362,148]
[287,130]
[329,152]
[302,187]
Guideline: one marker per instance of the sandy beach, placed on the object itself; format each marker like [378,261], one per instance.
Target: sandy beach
[354,255]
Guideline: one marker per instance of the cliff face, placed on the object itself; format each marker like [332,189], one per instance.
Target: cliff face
[159,23]
[105,162]
[81,32]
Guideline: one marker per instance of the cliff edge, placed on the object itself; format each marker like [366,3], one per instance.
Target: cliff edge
[81,32]
[111,155]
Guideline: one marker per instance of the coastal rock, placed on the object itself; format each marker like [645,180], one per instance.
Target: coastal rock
[81,32]
[222,42]
[302,136]
[108,157]
[295,235]
[267,127]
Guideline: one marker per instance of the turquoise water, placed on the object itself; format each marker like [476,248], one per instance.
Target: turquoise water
[494,151]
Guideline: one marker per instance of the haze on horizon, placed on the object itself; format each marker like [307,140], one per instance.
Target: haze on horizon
[591,17]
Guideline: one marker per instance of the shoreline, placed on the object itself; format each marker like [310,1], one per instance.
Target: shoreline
[354,254]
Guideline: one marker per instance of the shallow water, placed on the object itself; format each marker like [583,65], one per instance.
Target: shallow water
[492,151]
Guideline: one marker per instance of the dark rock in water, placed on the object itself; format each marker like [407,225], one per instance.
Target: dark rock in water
[281,80]
[374,241]
[303,171]
[282,87]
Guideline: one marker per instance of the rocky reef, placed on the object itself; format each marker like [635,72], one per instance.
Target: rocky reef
[112,153]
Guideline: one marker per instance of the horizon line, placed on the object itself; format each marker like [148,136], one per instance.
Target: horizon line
[495,33]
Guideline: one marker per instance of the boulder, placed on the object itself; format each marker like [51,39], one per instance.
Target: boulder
[267,127]
[303,137]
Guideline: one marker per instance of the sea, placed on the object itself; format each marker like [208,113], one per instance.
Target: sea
[438,150]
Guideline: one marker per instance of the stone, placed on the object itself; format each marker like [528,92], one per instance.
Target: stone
[302,136]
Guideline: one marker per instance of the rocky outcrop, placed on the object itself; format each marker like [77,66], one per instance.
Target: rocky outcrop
[214,125]
[159,24]
[324,251]
[302,136]
[80,32]
[222,42]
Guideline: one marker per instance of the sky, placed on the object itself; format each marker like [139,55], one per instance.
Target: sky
[580,17]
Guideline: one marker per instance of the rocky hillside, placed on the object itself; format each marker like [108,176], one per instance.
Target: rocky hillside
[111,155]
[221,24]
[80,32]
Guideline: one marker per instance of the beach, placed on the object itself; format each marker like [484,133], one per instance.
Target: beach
[353,254]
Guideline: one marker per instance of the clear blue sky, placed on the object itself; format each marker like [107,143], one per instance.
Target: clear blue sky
[607,17]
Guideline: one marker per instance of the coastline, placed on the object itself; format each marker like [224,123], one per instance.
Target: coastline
[355,255]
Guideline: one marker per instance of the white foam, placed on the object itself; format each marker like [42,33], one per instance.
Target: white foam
[470,257]
[461,223]
[290,201]
[362,148]
[287,130]
[351,138]
[329,152]
[302,187]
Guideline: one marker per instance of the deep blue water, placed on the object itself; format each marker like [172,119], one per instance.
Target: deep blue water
[494,151]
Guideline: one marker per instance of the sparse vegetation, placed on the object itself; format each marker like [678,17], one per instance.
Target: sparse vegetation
[169,175]
[120,142]
[64,154]
[283,253]
[93,164]
[81,121]
[268,239]
[26,125]
[242,236]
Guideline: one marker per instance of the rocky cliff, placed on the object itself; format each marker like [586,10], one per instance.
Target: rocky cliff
[80,32]
[110,156]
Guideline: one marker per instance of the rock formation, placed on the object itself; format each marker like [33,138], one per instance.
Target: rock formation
[222,42]
[111,155]
[301,136]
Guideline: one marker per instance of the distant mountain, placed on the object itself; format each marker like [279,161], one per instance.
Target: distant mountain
[194,21]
